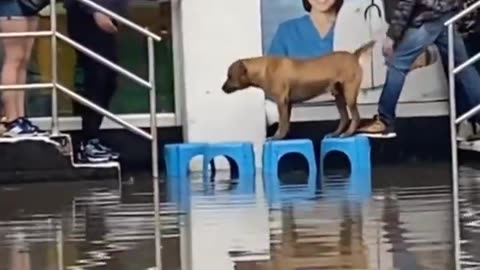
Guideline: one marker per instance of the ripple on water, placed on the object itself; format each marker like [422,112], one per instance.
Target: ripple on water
[104,226]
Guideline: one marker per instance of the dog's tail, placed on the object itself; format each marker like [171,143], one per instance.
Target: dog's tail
[365,48]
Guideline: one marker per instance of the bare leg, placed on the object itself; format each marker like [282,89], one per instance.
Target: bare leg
[22,73]
[13,62]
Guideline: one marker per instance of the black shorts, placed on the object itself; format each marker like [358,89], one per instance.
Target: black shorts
[10,9]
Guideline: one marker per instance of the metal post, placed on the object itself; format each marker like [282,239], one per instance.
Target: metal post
[153,106]
[53,51]
[154,141]
[453,145]
[59,241]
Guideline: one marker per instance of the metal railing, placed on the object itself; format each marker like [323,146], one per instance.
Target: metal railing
[452,71]
[55,86]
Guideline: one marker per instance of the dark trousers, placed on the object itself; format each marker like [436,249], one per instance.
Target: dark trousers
[414,42]
[99,81]
[472,44]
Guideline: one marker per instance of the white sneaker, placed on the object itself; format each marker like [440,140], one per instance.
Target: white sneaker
[465,130]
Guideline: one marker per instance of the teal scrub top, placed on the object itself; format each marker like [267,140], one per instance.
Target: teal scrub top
[298,38]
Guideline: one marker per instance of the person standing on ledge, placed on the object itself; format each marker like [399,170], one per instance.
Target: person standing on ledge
[469,28]
[97,32]
[413,26]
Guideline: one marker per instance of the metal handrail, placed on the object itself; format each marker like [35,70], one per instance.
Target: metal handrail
[30,86]
[452,71]
[121,19]
[463,13]
[103,60]
[26,34]
[102,111]
[54,85]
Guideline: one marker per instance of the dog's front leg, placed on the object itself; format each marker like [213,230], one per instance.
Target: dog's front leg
[284,111]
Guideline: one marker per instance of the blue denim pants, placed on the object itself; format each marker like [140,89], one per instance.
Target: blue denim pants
[414,43]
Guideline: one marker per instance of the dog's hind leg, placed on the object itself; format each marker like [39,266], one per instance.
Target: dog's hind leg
[351,93]
[342,110]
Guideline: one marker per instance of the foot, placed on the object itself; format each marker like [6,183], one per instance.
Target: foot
[377,129]
[18,128]
[113,155]
[35,129]
[94,152]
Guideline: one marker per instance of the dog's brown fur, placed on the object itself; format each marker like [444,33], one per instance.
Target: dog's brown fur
[287,81]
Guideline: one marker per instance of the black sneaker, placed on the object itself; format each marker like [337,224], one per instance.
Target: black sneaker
[17,128]
[90,152]
[33,128]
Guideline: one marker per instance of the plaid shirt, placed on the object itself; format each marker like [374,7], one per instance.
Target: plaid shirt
[470,23]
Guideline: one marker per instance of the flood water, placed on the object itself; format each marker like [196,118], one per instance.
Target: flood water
[469,190]
[405,223]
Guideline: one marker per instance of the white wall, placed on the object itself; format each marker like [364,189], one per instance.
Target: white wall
[214,33]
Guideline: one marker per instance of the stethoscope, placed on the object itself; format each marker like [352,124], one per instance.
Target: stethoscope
[376,7]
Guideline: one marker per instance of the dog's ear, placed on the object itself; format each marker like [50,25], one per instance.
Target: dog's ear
[243,68]
[240,69]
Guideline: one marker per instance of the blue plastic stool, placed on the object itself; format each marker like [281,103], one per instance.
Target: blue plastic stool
[178,156]
[273,151]
[357,149]
[240,153]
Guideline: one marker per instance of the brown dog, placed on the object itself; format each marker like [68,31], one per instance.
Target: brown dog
[287,81]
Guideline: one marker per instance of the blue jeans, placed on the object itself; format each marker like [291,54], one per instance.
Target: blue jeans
[414,43]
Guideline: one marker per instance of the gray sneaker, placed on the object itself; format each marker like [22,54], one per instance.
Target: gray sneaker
[92,153]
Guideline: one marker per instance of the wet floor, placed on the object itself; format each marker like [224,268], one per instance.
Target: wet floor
[404,223]
[469,190]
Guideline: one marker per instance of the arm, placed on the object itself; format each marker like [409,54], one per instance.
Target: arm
[401,15]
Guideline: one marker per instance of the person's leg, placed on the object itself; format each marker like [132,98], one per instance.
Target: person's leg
[99,81]
[81,28]
[472,44]
[22,76]
[108,49]
[468,79]
[414,43]
[15,57]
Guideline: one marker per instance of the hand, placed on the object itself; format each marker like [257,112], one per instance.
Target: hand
[104,22]
[387,47]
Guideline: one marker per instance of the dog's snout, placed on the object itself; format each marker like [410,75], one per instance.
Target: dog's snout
[226,88]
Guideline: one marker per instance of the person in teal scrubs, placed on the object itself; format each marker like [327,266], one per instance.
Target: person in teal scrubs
[310,35]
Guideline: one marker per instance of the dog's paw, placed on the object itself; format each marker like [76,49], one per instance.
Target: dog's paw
[275,137]
[332,135]
[346,135]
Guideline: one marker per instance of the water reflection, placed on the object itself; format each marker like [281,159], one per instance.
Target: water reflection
[469,188]
[225,225]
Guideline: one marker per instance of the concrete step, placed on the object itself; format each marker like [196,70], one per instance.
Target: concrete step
[47,158]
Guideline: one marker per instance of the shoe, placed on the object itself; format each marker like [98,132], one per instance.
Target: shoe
[94,152]
[91,153]
[18,128]
[113,155]
[35,129]
[377,129]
